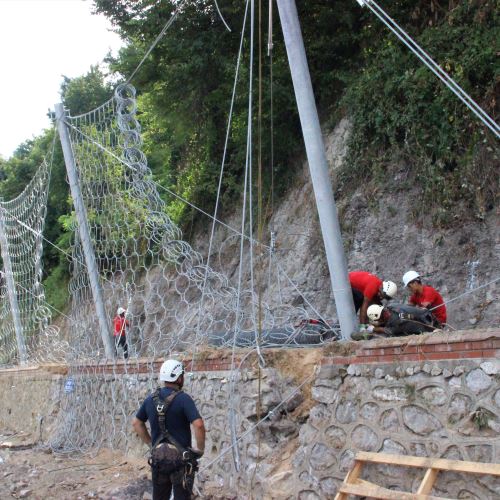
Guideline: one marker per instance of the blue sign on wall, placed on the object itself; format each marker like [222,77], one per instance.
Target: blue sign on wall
[69,386]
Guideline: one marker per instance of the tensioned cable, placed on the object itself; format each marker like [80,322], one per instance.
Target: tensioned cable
[247,181]
[47,303]
[157,39]
[432,65]
[250,185]
[221,16]
[239,233]
[223,163]
[467,293]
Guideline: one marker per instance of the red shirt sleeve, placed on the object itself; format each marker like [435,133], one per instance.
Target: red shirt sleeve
[433,297]
[430,298]
[116,323]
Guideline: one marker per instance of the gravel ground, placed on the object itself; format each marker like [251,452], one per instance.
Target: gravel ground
[29,471]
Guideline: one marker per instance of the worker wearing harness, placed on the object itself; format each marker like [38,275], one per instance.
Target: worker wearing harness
[397,320]
[170,412]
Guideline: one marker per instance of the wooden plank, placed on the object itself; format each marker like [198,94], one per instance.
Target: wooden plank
[428,481]
[429,463]
[352,476]
[371,490]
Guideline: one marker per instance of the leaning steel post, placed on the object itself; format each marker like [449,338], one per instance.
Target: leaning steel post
[11,291]
[316,157]
[83,228]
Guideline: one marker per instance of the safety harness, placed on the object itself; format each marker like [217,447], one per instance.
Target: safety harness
[188,457]
[162,407]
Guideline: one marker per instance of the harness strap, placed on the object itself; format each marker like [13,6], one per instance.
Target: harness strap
[162,407]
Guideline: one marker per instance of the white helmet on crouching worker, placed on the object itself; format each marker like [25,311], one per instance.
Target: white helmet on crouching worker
[389,289]
[374,312]
[410,276]
[171,370]
[120,311]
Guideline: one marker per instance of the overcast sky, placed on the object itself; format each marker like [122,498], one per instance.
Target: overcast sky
[41,40]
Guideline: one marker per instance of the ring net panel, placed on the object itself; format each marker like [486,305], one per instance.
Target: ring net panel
[22,221]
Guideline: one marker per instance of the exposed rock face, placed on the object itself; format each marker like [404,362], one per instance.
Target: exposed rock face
[381,235]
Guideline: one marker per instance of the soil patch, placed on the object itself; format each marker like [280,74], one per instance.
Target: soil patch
[39,474]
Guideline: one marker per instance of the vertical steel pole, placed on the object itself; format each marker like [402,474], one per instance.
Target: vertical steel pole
[81,216]
[318,166]
[11,291]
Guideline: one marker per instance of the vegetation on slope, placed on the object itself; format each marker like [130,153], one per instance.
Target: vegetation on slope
[401,113]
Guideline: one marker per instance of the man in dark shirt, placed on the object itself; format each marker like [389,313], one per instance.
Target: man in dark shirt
[396,320]
[180,415]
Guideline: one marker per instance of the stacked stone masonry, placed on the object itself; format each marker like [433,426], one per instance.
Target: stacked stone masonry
[444,401]
[437,396]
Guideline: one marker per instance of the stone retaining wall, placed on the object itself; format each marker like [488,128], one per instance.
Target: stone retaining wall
[434,395]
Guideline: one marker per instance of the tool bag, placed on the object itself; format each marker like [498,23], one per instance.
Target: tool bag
[167,455]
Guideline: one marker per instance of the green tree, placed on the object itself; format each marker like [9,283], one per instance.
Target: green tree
[87,92]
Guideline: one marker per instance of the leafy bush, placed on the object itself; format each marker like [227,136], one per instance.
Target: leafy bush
[401,109]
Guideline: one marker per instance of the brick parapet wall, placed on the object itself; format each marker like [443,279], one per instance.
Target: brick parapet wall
[219,362]
[471,344]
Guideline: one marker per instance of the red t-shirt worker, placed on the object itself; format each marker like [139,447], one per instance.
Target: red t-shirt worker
[425,296]
[368,289]
[121,325]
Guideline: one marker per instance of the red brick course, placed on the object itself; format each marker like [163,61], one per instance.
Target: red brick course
[444,346]
[138,366]
[472,344]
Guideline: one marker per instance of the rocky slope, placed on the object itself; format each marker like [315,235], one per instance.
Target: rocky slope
[383,234]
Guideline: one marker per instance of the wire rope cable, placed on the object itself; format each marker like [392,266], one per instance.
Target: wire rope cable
[427,60]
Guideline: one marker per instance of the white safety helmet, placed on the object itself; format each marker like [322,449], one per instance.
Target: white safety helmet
[374,312]
[121,311]
[410,276]
[171,370]
[389,288]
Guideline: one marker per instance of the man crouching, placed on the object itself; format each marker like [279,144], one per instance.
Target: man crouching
[170,413]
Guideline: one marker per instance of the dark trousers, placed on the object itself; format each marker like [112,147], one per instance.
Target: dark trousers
[122,342]
[358,298]
[162,487]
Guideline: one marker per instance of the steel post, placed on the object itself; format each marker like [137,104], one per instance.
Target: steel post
[318,166]
[83,228]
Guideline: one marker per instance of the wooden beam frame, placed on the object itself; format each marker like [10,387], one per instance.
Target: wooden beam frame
[353,485]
